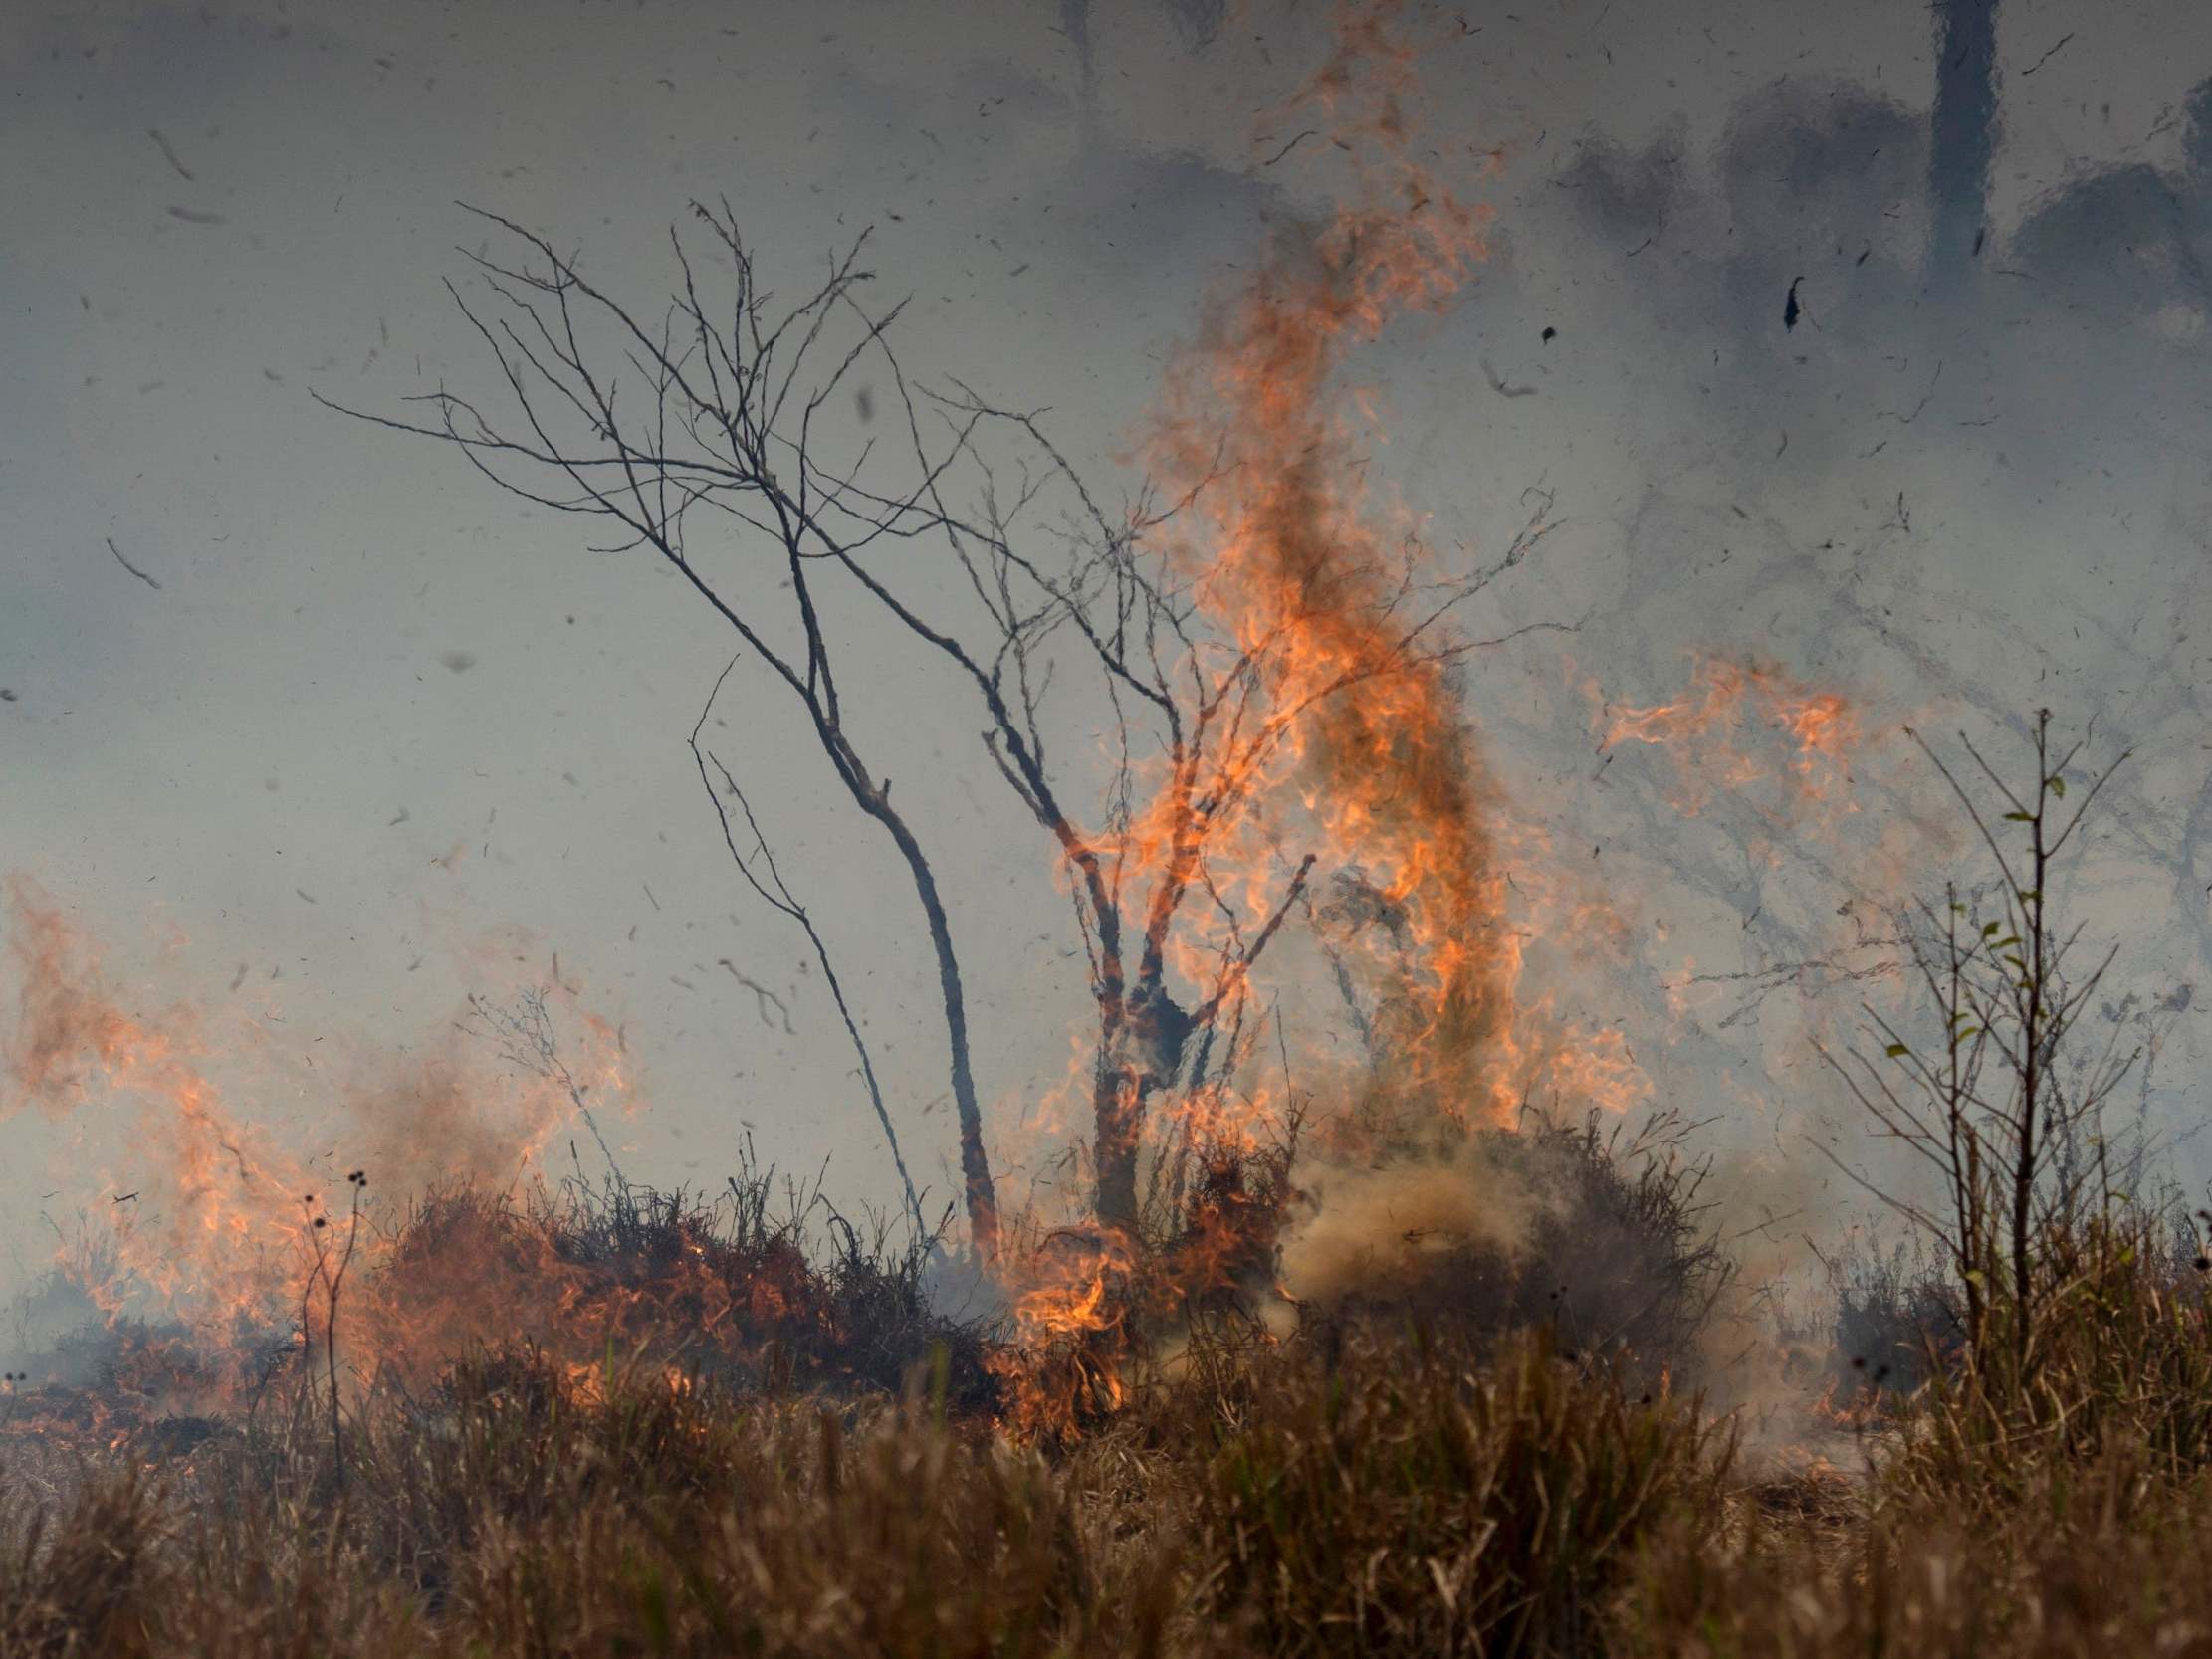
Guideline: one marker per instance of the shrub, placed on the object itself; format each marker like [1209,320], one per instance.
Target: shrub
[1412,1503]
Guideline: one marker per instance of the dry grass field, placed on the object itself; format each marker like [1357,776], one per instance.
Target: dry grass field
[783,1451]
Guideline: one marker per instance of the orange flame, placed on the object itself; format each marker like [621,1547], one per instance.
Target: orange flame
[1325,660]
[219,1228]
[1704,729]
[1061,1371]
[1373,769]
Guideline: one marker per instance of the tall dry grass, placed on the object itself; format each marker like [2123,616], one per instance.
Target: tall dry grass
[1374,1486]
[1406,1500]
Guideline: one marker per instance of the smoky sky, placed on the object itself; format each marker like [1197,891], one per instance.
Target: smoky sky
[1872,347]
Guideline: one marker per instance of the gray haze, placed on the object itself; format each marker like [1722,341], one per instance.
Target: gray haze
[382,734]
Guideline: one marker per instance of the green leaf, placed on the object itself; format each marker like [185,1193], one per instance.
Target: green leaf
[2020,817]
[1971,1031]
[1895,1049]
[2057,787]
[1989,928]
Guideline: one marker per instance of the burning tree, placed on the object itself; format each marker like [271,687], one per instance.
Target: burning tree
[1273,671]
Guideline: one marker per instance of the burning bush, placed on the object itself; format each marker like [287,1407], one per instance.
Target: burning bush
[559,1290]
[1591,1236]
[736,1290]
[1408,1483]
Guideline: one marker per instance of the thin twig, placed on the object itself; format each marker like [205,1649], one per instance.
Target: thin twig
[128,565]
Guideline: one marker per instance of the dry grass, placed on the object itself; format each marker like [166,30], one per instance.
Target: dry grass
[1407,1501]
[1387,1484]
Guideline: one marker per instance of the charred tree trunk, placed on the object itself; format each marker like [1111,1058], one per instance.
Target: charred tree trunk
[1141,1043]
[1119,1109]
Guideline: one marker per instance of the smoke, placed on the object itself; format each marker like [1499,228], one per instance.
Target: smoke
[204,1214]
[66,1024]
[1386,1233]
[1775,443]
[1780,444]
[1837,447]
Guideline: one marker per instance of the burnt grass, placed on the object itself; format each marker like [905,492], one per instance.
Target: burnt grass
[761,1287]
[740,1425]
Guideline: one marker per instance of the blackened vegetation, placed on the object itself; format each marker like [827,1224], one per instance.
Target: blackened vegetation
[132,1382]
[1895,1319]
[765,1291]
[1230,1214]
[1621,1265]
[1619,1273]
[766,1288]
[1629,1264]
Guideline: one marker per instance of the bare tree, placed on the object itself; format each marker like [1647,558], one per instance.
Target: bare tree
[2004,1102]
[729,423]
[731,402]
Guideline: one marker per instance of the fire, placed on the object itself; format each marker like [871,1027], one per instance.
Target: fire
[1702,726]
[1328,776]
[223,1277]
[1327,744]
[1061,1372]
[231,1205]
[214,1228]
[1345,630]
[1367,760]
